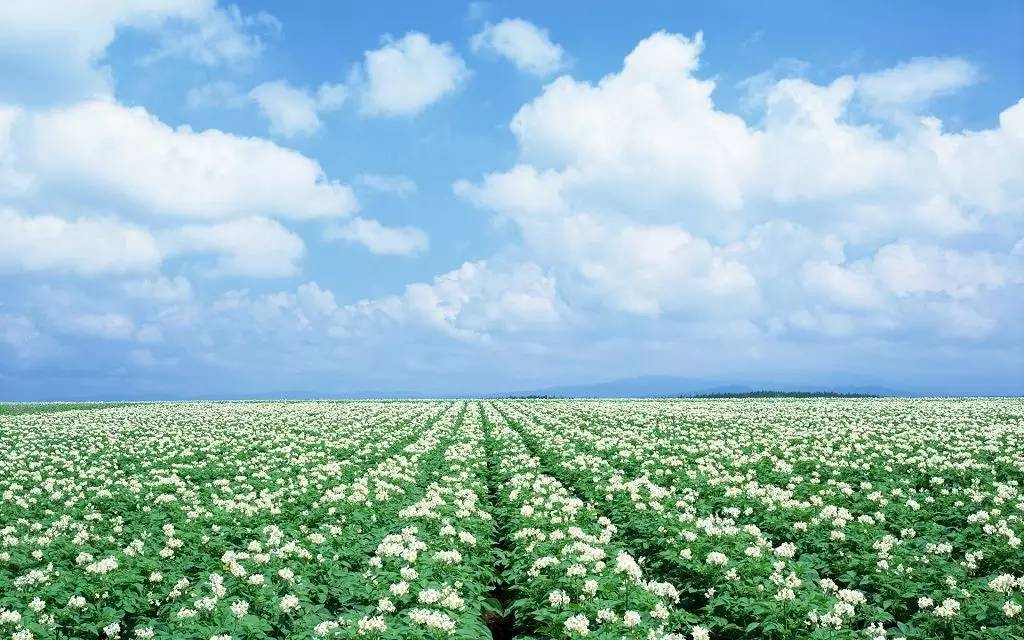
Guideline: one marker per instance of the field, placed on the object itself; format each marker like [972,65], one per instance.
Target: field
[515,518]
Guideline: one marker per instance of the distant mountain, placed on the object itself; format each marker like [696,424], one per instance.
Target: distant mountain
[640,387]
[672,386]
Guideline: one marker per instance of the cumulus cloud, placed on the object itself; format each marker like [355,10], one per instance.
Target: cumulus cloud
[908,269]
[472,301]
[682,208]
[84,246]
[295,112]
[527,46]
[405,76]
[65,41]
[908,284]
[223,36]
[154,168]
[845,287]
[316,301]
[380,239]
[914,82]
[257,247]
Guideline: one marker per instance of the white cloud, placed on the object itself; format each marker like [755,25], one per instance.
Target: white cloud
[471,302]
[220,37]
[679,207]
[757,87]
[295,112]
[661,136]
[13,181]
[153,168]
[908,269]
[257,247]
[160,289]
[85,246]
[909,284]
[399,185]
[65,41]
[643,268]
[315,301]
[404,76]
[848,288]
[959,320]
[526,45]
[106,326]
[915,82]
[380,239]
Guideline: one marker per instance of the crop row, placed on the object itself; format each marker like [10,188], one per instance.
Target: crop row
[835,529]
[534,519]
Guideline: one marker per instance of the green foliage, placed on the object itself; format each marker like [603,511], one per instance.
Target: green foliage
[824,519]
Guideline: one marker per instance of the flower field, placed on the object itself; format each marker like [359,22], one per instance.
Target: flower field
[638,519]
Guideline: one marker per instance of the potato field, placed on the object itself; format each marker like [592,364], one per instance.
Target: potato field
[645,519]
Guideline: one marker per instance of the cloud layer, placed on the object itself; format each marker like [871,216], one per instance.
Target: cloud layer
[624,223]
[671,208]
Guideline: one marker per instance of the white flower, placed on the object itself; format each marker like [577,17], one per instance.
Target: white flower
[947,609]
[1002,583]
[105,565]
[9,617]
[432,619]
[606,615]
[578,624]
[399,588]
[785,550]
[288,603]
[631,619]
[325,627]
[717,558]
[429,596]
[239,608]
[112,629]
[367,625]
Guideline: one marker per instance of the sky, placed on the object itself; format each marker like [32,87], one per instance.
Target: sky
[203,199]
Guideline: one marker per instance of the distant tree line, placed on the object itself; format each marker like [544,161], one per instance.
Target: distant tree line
[534,397]
[781,394]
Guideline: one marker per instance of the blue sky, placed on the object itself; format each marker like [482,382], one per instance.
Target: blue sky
[210,199]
